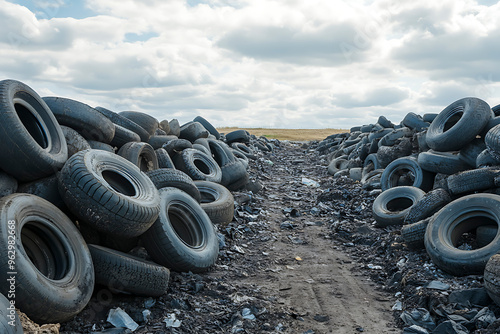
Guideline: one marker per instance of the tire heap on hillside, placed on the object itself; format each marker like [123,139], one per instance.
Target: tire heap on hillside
[438,176]
[80,187]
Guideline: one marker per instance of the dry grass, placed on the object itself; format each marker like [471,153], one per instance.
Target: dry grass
[287,134]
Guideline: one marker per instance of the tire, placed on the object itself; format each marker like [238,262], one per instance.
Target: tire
[183,238]
[470,152]
[165,126]
[97,145]
[429,204]
[387,154]
[198,165]
[123,136]
[160,132]
[46,188]
[164,160]
[167,177]
[121,272]
[240,136]
[336,165]
[207,126]
[192,131]
[406,172]
[8,184]
[414,121]
[492,141]
[485,234]
[429,117]
[217,201]
[392,137]
[370,163]
[117,119]
[458,124]
[392,205]
[26,122]
[175,128]
[384,122]
[491,275]
[145,121]
[472,180]
[220,152]
[422,142]
[485,159]
[240,156]
[158,141]
[413,234]
[370,176]
[177,146]
[87,121]
[9,319]
[52,261]
[447,226]
[356,173]
[234,175]
[247,151]
[140,154]
[442,162]
[74,140]
[202,148]
[109,193]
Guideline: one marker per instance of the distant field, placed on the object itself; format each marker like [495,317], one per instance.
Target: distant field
[287,134]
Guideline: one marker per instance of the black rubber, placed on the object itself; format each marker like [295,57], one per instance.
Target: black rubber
[485,159]
[406,171]
[472,180]
[117,119]
[74,140]
[492,141]
[336,165]
[198,165]
[442,162]
[123,136]
[247,151]
[429,204]
[8,184]
[414,121]
[168,177]
[240,156]
[183,238]
[121,272]
[413,234]
[109,193]
[471,151]
[240,136]
[175,128]
[384,122]
[217,201]
[387,154]
[31,140]
[97,145]
[447,226]
[165,126]
[158,141]
[485,234]
[491,275]
[164,160]
[234,175]
[192,131]
[90,123]
[177,146]
[392,205]
[9,319]
[145,121]
[458,124]
[46,188]
[207,126]
[51,260]
[140,154]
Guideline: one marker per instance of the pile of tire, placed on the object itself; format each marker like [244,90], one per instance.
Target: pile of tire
[439,179]
[82,187]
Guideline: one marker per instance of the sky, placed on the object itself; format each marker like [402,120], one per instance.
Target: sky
[256,63]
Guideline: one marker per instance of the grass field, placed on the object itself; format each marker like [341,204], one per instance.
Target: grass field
[287,134]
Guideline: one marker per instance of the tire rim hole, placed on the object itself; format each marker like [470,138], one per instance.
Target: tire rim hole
[463,235]
[402,177]
[185,226]
[45,251]
[399,204]
[202,166]
[456,115]
[207,197]
[32,125]
[119,183]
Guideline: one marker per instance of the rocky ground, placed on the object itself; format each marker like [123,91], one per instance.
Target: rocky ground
[301,256]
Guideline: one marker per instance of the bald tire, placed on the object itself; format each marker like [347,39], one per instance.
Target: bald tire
[122,272]
[217,201]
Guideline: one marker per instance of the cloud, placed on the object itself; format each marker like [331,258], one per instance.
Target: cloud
[376,97]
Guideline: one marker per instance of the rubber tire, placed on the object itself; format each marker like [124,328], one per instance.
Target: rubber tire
[384,122]
[207,126]
[97,145]
[414,121]
[202,148]
[240,136]
[491,278]
[52,261]
[217,201]
[46,188]
[472,180]
[470,152]
[117,119]
[429,204]
[413,234]
[392,205]
[485,234]
[74,140]
[31,141]
[8,184]
[221,152]
[109,193]
[167,177]
[442,162]
[492,141]
[240,156]
[159,141]
[87,121]
[192,131]
[446,133]
[392,173]
[165,126]
[123,136]
[175,128]
[121,272]
[198,165]
[140,154]
[177,146]
[145,121]
[247,151]
[183,238]
[164,160]
[462,215]
[485,159]
[234,175]
[387,154]
[9,319]
[336,165]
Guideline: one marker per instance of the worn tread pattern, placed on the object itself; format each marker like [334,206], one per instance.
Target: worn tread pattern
[429,204]
[186,162]
[472,180]
[414,234]
[164,160]
[167,177]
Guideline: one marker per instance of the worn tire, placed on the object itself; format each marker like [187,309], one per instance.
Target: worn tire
[8,184]
[175,128]
[46,188]
[472,180]
[159,141]
[183,238]
[217,201]
[413,234]
[485,234]
[140,154]
[240,136]
[121,272]
[458,124]
[207,126]
[176,146]
[117,119]
[442,162]
[485,159]
[392,205]
[123,136]
[145,121]
[198,165]
[31,140]
[52,261]
[247,151]
[167,177]
[97,145]
[447,226]
[192,131]
[109,193]
[164,160]
[429,204]
[9,319]
[406,171]
[74,140]
[492,278]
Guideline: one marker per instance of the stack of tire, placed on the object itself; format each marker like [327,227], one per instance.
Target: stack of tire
[440,178]
[71,208]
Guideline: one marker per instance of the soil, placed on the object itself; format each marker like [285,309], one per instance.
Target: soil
[299,257]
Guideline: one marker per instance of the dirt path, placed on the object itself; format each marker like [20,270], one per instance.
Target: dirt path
[303,267]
